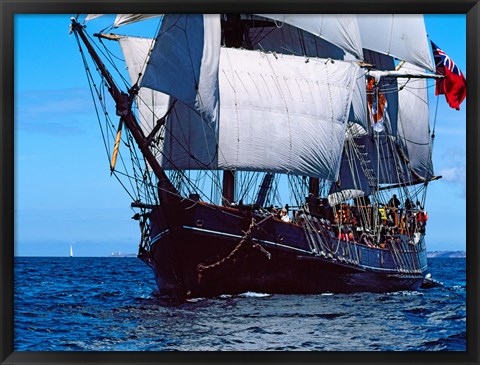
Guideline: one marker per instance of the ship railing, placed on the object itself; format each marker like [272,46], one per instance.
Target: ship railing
[314,240]
[403,219]
[405,255]
[323,243]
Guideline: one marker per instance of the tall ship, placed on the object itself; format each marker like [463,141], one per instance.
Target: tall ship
[271,153]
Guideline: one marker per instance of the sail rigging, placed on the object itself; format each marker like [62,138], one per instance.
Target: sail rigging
[282,95]
[402,36]
[230,119]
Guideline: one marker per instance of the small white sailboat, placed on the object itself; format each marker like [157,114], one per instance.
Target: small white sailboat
[71,250]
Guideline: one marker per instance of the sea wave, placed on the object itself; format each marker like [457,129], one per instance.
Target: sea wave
[105,310]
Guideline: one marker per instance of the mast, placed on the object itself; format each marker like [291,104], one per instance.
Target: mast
[123,105]
[264,189]
[314,186]
[228,187]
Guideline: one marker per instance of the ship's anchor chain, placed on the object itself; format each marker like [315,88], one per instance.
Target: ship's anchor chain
[246,239]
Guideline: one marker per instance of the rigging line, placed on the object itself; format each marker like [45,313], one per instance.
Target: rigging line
[391,149]
[150,50]
[413,142]
[259,34]
[98,118]
[279,88]
[332,138]
[391,35]
[92,86]
[255,185]
[105,139]
[435,120]
[237,119]
[190,185]
[110,53]
[124,187]
[135,160]
[293,188]
[172,135]
[107,28]
[299,188]
[101,98]
[106,56]
[250,178]
[350,151]
[302,42]
[215,154]
[276,198]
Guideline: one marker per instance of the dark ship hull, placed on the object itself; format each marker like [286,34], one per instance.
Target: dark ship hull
[200,250]
[203,250]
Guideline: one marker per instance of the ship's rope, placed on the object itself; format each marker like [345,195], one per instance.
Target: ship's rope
[246,240]
[99,90]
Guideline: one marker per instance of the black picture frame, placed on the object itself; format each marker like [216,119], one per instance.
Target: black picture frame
[8,9]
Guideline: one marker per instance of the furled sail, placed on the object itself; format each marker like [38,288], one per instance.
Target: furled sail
[401,35]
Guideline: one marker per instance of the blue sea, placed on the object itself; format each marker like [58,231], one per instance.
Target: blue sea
[110,304]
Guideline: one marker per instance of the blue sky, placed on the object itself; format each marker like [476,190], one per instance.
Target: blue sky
[63,190]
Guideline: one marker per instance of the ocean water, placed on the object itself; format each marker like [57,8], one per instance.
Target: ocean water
[109,304]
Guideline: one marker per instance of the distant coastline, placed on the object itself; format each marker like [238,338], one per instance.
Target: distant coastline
[430,254]
[446,254]
[121,254]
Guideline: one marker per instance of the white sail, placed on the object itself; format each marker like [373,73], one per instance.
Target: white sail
[92,16]
[184,61]
[343,196]
[277,114]
[124,19]
[243,137]
[152,105]
[283,114]
[405,157]
[401,35]
[269,106]
[339,29]
[359,111]
[413,122]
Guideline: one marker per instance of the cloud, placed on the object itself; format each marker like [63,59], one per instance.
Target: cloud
[454,171]
[453,174]
[53,112]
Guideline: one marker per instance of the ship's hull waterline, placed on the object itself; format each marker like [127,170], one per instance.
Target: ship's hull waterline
[206,252]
